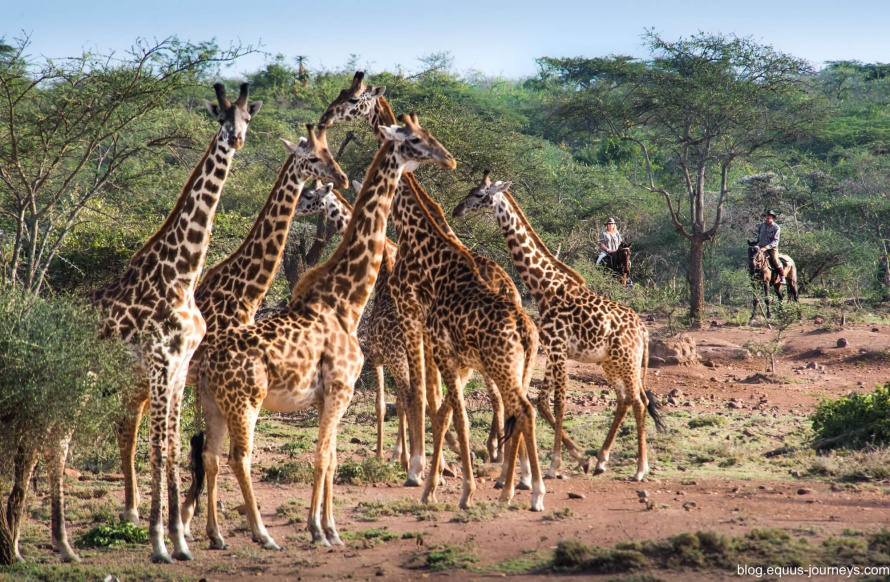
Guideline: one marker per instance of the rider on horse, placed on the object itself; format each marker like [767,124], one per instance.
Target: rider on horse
[768,241]
[610,240]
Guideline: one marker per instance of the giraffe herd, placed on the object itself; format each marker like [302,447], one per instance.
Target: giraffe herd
[440,311]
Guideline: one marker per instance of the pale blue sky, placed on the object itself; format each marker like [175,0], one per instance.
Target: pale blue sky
[495,37]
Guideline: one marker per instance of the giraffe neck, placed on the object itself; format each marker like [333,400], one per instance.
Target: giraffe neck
[180,245]
[231,291]
[407,204]
[541,272]
[338,212]
[344,281]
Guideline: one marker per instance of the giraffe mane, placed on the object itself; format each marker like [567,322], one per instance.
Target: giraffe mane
[567,270]
[177,208]
[313,275]
[256,226]
[342,200]
[425,201]
[386,111]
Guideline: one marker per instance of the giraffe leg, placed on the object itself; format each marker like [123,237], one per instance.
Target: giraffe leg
[443,419]
[213,448]
[433,381]
[23,467]
[160,381]
[620,412]
[242,421]
[505,481]
[528,431]
[380,405]
[126,431]
[544,411]
[174,446]
[525,469]
[493,444]
[399,370]
[639,408]
[56,457]
[321,519]
[416,402]
[455,383]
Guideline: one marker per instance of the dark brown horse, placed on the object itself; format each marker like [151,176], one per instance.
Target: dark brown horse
[619,262]
[763,275]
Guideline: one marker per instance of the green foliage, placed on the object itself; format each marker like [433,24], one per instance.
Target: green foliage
[371,470]
[290,473]
[55,374]
[446,557]
[108,536]
[706,420]
[862,419]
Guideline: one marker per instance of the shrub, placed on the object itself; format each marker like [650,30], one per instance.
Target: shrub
[112,536]
[372,470]
[290,473]
[858,419]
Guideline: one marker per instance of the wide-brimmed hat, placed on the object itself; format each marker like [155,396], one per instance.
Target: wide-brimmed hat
[771,213]
[611,221]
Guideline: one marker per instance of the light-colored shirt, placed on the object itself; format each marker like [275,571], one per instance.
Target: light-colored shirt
[612,240]
[768,235]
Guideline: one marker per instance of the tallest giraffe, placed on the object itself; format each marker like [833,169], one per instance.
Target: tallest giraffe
[152,307]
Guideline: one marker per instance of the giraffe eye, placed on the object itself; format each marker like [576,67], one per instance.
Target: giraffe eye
[414,140]
[313,159]
[354,100]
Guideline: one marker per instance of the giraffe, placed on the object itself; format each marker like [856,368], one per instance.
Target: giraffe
[367,102]
[152,307]
[574,323]
[382,342]
[307,355]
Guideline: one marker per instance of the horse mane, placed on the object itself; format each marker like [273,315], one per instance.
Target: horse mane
[313,275]
[177,208]
[423,200]
[566,270]
[256,224]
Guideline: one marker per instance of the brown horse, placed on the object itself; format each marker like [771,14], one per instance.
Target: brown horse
[619,262]
[763,275]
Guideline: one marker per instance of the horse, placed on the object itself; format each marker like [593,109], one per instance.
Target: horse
[619,262]
[762,274]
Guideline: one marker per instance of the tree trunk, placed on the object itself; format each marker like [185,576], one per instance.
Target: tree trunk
[696,280]
[886,261]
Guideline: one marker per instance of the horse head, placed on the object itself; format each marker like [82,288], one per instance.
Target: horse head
[757,262]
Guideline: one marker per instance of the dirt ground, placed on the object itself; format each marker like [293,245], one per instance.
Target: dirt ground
[731,489]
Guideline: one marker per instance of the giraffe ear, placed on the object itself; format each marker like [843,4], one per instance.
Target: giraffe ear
[329,187]
[293,147]
[501,186]
[377,91]
[392,133]
[357,186]
[213,108]
[254,107]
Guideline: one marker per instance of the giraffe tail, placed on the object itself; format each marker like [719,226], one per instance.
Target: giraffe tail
[653,405]
[509,427]
[197,468]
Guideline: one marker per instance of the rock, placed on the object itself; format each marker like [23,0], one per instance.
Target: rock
[73,473]
[655,361]
[875,330]
[818,321]
[710,363]
[650,318]
[714,323]
[841,342]
[111,477]
[735,405]
[713,379]
[804,491]
[242,509]
[643,495]
[812,366]
[679,350]
[356,441]
[672,401]
[749,433]
[676,393]
[576,495]
[391,411]
[690,505]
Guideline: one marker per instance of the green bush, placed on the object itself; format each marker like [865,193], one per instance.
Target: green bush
[372,470]
[290,473]
[861,419]
[108,536]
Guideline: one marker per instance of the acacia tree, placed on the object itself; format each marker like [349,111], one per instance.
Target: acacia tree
[695,109]
[68,127]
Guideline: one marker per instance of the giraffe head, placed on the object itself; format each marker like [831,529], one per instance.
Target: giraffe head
[357,100]
[313,159]
[233,117]
[327,200]
[484,196]
[415,145]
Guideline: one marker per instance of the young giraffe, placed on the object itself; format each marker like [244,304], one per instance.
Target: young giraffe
[231,292]
[574,323]
[382,341]
[307,355]
[152,306]
[367,102]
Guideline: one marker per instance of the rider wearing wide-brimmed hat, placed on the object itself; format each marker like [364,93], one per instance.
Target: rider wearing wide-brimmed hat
[768,240]
[610,240]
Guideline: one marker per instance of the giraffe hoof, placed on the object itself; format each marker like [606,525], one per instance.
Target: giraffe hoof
[586,468]
[161,559]
[218,544]
[183,556]
[498,484]
[271,545]
[523,486]
[71,558]
[412,482]
[549,475]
